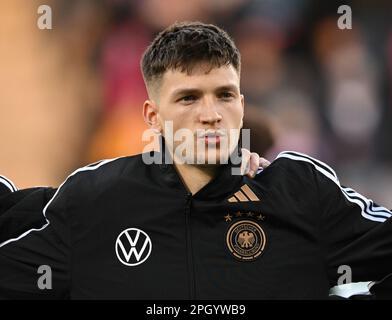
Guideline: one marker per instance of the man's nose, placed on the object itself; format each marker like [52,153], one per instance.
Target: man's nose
[209,113]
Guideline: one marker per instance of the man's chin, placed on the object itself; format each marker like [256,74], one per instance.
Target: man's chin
[213,159]
[207,157]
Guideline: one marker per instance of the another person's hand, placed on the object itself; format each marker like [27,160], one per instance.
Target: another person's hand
[251,162]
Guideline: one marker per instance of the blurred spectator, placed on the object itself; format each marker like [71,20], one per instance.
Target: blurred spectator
[352,109]
[259,124]
[49,92]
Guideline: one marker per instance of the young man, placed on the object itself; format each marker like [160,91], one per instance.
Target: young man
[187,228]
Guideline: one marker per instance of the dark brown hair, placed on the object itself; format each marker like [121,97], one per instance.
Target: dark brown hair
[183,45]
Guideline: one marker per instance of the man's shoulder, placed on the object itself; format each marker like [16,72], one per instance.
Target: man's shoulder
[296,167]
[304,163]
[107,171]
[110,166]
[6,185]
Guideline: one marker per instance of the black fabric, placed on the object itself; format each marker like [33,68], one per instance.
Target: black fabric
[310,229]
[382,289]
[22,210]
[4,190]
[5,186]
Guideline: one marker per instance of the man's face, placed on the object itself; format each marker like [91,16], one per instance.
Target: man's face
[204,107]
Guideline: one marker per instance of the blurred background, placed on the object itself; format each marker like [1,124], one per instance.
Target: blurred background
[73,95]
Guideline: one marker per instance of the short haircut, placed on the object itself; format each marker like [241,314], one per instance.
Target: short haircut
[184,45]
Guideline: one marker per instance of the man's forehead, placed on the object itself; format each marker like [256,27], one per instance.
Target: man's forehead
[204,75]
[200,69]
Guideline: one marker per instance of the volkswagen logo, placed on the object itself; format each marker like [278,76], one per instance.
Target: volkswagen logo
[133,247]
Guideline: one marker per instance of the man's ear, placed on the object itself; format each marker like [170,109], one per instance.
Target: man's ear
[150,115]
[243,109]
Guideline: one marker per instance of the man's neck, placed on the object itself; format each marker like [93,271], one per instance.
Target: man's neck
[195,177]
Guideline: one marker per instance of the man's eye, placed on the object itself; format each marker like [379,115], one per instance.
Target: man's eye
[226,95]
[188,99]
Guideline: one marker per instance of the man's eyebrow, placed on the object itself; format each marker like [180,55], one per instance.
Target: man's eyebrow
[185,91]
[188,91]
[228,87]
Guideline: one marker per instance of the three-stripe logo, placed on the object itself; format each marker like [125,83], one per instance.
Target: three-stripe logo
[245,194]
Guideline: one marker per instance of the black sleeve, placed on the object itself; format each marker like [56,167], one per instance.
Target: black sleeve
[6,186]
[358,233]
[355,232]
[21,211]
[34,233]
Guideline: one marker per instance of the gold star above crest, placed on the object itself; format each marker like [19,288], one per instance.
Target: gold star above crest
[250,214]
[228,217]
[260,217]
[238,214]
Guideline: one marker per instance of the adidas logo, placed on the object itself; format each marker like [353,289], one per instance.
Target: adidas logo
[245,194]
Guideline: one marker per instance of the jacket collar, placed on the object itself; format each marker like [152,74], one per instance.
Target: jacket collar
[221,186]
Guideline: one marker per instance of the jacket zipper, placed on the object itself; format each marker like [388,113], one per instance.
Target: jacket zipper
[191,270]
[189,248]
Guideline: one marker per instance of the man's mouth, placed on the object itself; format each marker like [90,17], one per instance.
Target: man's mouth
[211,137]
[212,140]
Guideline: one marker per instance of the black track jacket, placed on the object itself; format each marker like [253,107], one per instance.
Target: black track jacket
[122,229]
